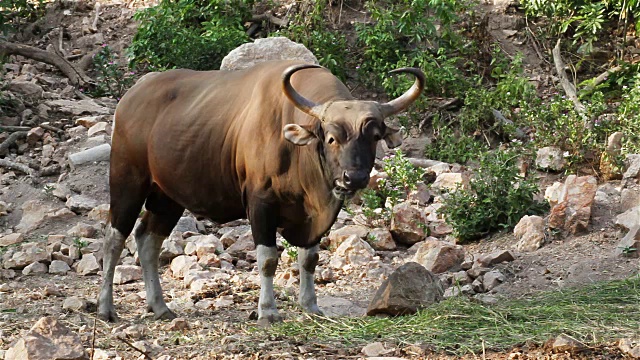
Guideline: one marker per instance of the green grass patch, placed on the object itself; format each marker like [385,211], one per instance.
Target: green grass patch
[593,314]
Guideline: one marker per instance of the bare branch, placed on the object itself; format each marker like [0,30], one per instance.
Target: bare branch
[11,140]
[11,165]
[602,77]
[94,25]
[568,87]
[272,19]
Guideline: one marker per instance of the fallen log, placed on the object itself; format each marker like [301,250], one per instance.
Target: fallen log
[568,87]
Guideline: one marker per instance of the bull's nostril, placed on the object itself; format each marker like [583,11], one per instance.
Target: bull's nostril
[346,178]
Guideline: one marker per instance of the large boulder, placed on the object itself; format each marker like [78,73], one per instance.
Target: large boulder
[573,210]
[47,340]
[410,288]
[439,256]
[409,223]
[261,50]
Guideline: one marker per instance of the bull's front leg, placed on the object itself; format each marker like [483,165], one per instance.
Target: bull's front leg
[263,228]
[307,260]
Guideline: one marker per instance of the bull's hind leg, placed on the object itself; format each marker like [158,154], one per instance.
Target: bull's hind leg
[127,196]
[307,260]
[160,218]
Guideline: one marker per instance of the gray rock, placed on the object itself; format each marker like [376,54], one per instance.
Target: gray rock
[410,288]
[48,339]
[74,303]
[29,253]
[496,257]
[170,249]
[11,239]
[632,163]
[27,88]
[88,265]
[492,279]
[83,230]
[58,267]
[550,158]
[381,239]
[78,107]
[629,219]
[101,127]
[530,233]
[243,245]
[127,273]
[272,48]
[353,251]
[81,204]
[35,268]
[336,237]
[629,246]
[89,156]
[186,224]
[439,256]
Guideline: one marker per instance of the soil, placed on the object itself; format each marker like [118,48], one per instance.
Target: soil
[228,333]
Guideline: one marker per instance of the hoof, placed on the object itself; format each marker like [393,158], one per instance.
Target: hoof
[165,315]
[108,315]
[269,318]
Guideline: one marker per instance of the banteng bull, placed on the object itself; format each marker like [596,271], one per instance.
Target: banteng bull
[282,144]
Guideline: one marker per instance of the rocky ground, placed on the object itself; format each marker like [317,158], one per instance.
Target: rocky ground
[54,207]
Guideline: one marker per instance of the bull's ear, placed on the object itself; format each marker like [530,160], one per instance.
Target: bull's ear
[392,137]
[299,134]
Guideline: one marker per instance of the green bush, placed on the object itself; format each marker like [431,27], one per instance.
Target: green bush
[112,80]
[497,198]
[192,34]
[629,117]
[12,12]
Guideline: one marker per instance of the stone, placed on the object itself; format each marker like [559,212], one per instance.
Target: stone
[553,193]
[26,88]
[530,233]
[573,211]
[58,267]
[243,245]
[89,156]
[337,307]
[629,219]
[629,198]
[630,347]
[98,128]
[83,230]
[60,191]
[100,213]
[629,246]
[439,256]
[127,273]
[11,239]
[34,269]
[34,135]
[409,224]
[186,224]
[461,278]
[632,163]
[201,245]
[353,251]
[496,257]
[421,195]
[78,107]
[182,264]
[609,169]
[336,237]
[550,158]
[212,260]
[170,249]
[408,289]
[74,303]
[80,204]
[88,265]
[47,340]
[272,48]
[374,349]
[33,214]
[565,343]
[381,239]
[450,182]
[477,270]
[492,279]
[28,253]
[62,257]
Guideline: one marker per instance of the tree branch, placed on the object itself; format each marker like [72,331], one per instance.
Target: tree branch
[77,76]
[568,87]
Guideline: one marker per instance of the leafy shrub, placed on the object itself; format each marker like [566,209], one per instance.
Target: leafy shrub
[193,34]
[111,79]
[14,11]
[497,198]
[629,117]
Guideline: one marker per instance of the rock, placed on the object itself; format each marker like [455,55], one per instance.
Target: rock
[550,158]
[609,169]
[34,135]
[201,245]
[98,128]
[60,256]
[439,256]
[29,253]
[83,230]
[182,264]
[80,204]
[492,279]
[409,224]
[178,324]
[99,213]
[33,214]
[553,193]
[630,348]
[186,224]
[243,245]
[632,163]
[47,340]
[573,210]
[26,88]
[629,219]
[60,191]
[477,271]
[421,195]
[58,267]
[629,246]
[88,121]
[78,107]
[565,343]
[461,278]
[11,239]
[450,182]
[375,349]
[336,237]
[381,239]
[353,251]
[410,288]
[338,307]
[88,265]
[496,257]
[127,273]
[170,249]
[530,233]
[89,156]
[629,198]
[35,268]
[74,303]
[272,48]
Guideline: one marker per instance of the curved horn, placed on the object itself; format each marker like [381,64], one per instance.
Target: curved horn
[298,100]
[399,104]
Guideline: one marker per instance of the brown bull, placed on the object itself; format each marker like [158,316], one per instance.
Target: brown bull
[229,145]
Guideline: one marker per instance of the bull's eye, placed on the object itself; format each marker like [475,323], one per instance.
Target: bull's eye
[376,136]
[331,140]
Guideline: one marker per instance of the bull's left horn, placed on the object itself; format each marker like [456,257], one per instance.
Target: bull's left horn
[298,100]
[399,104]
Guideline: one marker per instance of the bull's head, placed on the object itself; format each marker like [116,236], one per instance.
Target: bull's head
[348,130]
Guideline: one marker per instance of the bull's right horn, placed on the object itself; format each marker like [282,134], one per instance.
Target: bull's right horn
[298,100]
[399,104]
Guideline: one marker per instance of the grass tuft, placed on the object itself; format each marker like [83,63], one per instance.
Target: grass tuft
[594,314]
